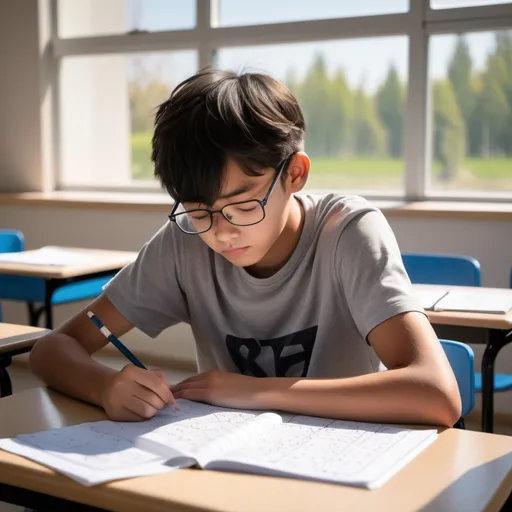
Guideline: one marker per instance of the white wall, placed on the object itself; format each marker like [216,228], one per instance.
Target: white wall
[20,97]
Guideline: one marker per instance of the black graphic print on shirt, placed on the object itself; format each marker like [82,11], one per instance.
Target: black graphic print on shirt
[290,352]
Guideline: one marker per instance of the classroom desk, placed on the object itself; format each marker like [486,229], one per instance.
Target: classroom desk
[107,263]
[462,470]
[499,334]
[14,340]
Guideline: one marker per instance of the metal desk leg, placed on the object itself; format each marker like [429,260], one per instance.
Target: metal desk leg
[497,340]
[48,313]
[5,380]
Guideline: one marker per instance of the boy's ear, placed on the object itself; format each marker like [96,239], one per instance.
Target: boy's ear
[298,171]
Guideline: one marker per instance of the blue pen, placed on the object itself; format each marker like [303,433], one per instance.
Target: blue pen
[115,341]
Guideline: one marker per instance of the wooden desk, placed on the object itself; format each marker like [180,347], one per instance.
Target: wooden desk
[14,340]
[105,263]
[462,470]
[499,334]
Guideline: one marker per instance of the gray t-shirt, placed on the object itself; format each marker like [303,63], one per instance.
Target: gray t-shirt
[311,318]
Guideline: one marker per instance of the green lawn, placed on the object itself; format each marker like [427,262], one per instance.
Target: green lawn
[364,173]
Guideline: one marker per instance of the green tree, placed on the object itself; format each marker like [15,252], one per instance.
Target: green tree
[390,107]
[341,115]
[499,71]
[144,98]
[489,131]
[449,133]
[459,74]
[292,81]
[320,106]
[369,134]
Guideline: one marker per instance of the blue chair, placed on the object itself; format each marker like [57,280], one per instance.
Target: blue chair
[442,269]
[462,361]
[455,270]
[32,290]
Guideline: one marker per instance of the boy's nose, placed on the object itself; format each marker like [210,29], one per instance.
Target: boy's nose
[224,230]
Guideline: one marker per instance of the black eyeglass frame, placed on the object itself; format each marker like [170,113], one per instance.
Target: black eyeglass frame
[263,202]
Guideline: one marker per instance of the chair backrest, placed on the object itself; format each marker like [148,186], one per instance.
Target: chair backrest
[11,240]
[462,361]
[444,269]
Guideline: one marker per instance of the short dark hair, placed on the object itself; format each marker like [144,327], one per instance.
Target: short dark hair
[213,115]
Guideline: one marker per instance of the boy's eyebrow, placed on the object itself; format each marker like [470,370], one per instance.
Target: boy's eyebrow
[240,190]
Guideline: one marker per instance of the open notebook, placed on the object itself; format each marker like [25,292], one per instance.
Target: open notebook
[429,298]
[359,454]
[49,256]
[474,302]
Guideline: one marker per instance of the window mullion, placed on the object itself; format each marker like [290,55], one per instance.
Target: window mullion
[416,125]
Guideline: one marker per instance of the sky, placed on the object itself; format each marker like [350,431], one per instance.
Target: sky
[365,61]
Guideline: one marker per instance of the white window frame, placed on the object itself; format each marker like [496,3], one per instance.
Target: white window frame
[418,24]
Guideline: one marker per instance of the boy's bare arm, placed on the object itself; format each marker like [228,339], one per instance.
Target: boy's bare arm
[419,386]
[62,359]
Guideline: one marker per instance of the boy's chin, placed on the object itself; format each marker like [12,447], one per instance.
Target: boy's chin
[242,260]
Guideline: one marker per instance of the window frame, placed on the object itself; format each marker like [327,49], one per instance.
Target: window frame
[418,24]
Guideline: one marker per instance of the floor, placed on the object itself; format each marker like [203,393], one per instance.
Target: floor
[23,379]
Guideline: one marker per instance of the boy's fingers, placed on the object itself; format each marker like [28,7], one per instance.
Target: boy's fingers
[148,396]
[195,394]
[141,408]
[161,374]
[155,383]
[129,415]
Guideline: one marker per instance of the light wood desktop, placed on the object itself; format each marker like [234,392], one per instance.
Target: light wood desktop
[106,261]
[463,319]
[13,337]
[498,333]
[104,264]
[14,340]
[462,470]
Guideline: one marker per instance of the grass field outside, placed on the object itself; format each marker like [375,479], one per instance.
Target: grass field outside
[476,174]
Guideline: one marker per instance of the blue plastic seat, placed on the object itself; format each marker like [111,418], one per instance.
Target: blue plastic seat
[462,361]
[455,270]
[448,269]
[32,289]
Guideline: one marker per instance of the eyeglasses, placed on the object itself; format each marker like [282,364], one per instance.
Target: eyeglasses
[244,213]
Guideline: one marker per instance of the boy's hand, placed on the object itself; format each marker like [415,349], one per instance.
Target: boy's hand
[135,394]
[224,389]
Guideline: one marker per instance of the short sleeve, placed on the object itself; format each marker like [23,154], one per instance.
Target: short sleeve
[147,292]
[371,272]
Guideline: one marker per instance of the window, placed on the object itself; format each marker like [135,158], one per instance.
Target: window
[352,95]
[85,18]
[107,110]
[452,4]
[270,11]
[410,99]
[471,90]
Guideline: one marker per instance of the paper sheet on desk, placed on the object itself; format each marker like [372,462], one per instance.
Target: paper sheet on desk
[87,456]
[475,302]
[429,298]
[49,256]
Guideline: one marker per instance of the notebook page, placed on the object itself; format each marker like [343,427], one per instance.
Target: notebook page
[485,302]
[49,256]
[106,450]
[203,431]
[87,453]
[353,453]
